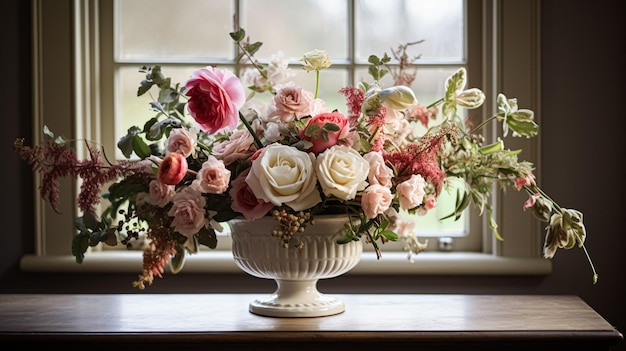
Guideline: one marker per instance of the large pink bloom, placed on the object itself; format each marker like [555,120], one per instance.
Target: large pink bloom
[215,97]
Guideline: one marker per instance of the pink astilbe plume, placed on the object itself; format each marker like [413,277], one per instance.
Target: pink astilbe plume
[55,161]
[354,101]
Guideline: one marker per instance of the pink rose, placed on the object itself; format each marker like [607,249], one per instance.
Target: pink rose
[181,141]
[172,169]
[430,202]
[317,131]
[379,173]
[375,200]
[215,97]
[239,146]
[213,177]
[411,192]
[188,212]
[290,102]
[160,194]
[244,200]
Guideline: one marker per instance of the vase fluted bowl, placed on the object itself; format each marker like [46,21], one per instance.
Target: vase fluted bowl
[295,270]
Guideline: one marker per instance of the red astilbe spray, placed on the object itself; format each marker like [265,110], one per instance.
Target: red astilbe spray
[55,161]
[422,158]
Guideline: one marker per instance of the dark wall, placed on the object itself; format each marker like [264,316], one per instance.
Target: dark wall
[582,117]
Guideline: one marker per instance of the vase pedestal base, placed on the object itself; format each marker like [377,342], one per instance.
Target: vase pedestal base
[297,298]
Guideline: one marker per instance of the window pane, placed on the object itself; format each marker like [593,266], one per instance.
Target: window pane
[149,29]
[384,24]
[296,27]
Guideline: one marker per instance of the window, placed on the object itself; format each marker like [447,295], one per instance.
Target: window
[501,55]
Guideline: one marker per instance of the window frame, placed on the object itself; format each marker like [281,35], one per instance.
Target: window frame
[64,34]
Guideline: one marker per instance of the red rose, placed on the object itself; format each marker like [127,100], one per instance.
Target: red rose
[325,130]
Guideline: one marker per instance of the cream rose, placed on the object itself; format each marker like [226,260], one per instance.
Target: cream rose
[282,174]
[315,60]
[182,141]
[342,172]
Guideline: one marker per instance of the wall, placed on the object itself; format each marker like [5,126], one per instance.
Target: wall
[582,120]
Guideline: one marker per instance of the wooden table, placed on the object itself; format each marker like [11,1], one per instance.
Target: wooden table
[220,321]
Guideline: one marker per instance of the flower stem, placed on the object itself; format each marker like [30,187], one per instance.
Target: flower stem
[483,124]
[435,103]
[317,82]
[593,269]
[257,141]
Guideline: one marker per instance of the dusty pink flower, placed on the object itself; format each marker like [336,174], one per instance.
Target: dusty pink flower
[290,102]
[379,172]
[375,200]
[188,212]
[182,141]
[160,194]
[239,146]
[244,200]
[213,177]
[215,97]
[321,138]
[411,192]
[172,169]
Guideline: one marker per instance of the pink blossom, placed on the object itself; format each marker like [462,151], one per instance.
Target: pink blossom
[375,200]
[239,146]
[531,201]
[290,102]
[411,192]
[182,141]
[172,169]
[244,200]
[379,172]
[430,202]
[188,212]
[215,97]
[160,194]
[213,177]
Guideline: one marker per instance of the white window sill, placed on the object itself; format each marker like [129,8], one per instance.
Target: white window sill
[426,263]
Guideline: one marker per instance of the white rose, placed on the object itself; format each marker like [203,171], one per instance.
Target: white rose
[282,174]
[342,172]
[315,60]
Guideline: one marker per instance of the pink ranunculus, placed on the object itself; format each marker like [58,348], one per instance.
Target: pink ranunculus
[411,192]
[215,97]
[244,200]
[323,139]
[160,194]
[290,102]
[188,212]
[375,200]
[213,177]
[172,169]
[182,141]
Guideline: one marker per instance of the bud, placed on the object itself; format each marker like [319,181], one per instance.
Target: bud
[398,97]
[470,98]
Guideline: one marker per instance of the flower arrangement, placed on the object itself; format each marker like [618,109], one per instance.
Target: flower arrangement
[212,152]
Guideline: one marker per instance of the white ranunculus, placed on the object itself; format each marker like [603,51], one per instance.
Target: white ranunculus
[282,174]
[342,171]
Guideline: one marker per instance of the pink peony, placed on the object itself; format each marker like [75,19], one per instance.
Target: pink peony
[215,97]
[172,169]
